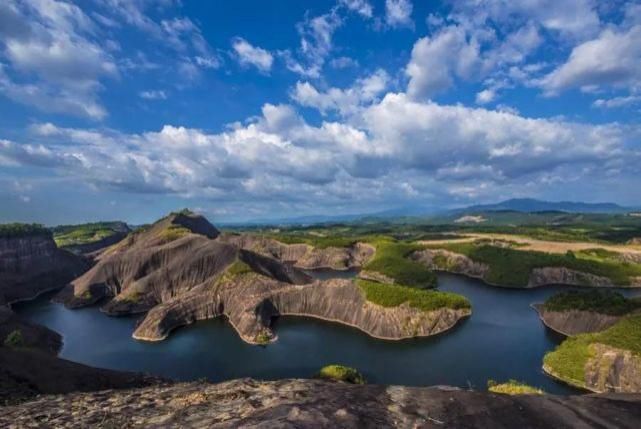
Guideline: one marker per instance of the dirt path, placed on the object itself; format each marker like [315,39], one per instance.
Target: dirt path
[541,245]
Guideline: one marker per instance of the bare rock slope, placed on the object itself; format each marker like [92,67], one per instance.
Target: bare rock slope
[180,270]
[320,404]
[303,255]
[574,322]
[33,264]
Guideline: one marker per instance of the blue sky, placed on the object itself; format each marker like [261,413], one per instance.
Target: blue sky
[127,109]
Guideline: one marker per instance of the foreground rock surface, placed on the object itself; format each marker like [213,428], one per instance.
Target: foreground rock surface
[319,404]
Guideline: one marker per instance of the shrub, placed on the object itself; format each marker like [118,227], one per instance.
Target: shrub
[604,302]
[513,387]
[14,339]
[392,295]
[10,230]
[341,373]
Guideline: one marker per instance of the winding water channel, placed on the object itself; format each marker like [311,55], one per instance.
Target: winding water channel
[503,339]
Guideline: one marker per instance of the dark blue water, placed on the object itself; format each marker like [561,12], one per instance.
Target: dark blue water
[503,339]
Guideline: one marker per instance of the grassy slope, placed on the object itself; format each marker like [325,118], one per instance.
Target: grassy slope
[392,260]
[512,267]
[83,234]
[604,302]
[391,295]
[568,359]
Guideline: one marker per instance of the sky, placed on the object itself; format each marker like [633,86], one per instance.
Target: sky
[243,110]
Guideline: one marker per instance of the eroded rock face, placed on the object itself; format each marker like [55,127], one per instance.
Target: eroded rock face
[146,269]
[304,255]
[610,369]
[320,404]
[444,260]
[565,276]
[574,322]
[32,265]
[250,303]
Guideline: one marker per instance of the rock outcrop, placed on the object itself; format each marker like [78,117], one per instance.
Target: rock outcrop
[574,322]
[25,373]
[444,260]
[31,336]
[565,276]
[251,301]
[320,404]
[608,369]
[303,255]
[32,264]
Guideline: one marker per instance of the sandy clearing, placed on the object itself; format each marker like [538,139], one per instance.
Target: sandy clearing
[541,245]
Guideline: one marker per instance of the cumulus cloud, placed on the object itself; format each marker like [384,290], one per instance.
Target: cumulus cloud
[394,147]
[436,60]
[53,43]
[613,59]
[485,96]
[362,7]
[398,13]
[252,55]
[345,101]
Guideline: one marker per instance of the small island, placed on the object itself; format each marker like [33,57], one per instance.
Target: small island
[603,351]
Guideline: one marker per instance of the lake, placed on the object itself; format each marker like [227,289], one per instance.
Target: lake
[503,339]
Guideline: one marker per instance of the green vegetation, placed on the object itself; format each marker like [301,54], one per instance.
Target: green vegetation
[11,230]
[173,232]
[238,268]
[14,339]
[604,302]
[392,295]
[262,338]
[513,387]
[512,267]
[319,241]
[73,235]
[392,260]
[568,359]
[341,373]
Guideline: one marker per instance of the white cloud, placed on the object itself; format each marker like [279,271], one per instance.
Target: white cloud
[362,7]
[252,55]
[613,59]
[316,44]
[398,13]
[154,94]
[485,96]
[617,102]
[435,60]
[343,62]
[53,46]
[345,101]
[392,148]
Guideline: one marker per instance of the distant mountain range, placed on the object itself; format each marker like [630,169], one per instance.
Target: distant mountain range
[525,205]
[532,205]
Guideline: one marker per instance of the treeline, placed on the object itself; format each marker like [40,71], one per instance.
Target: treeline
[10,230]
